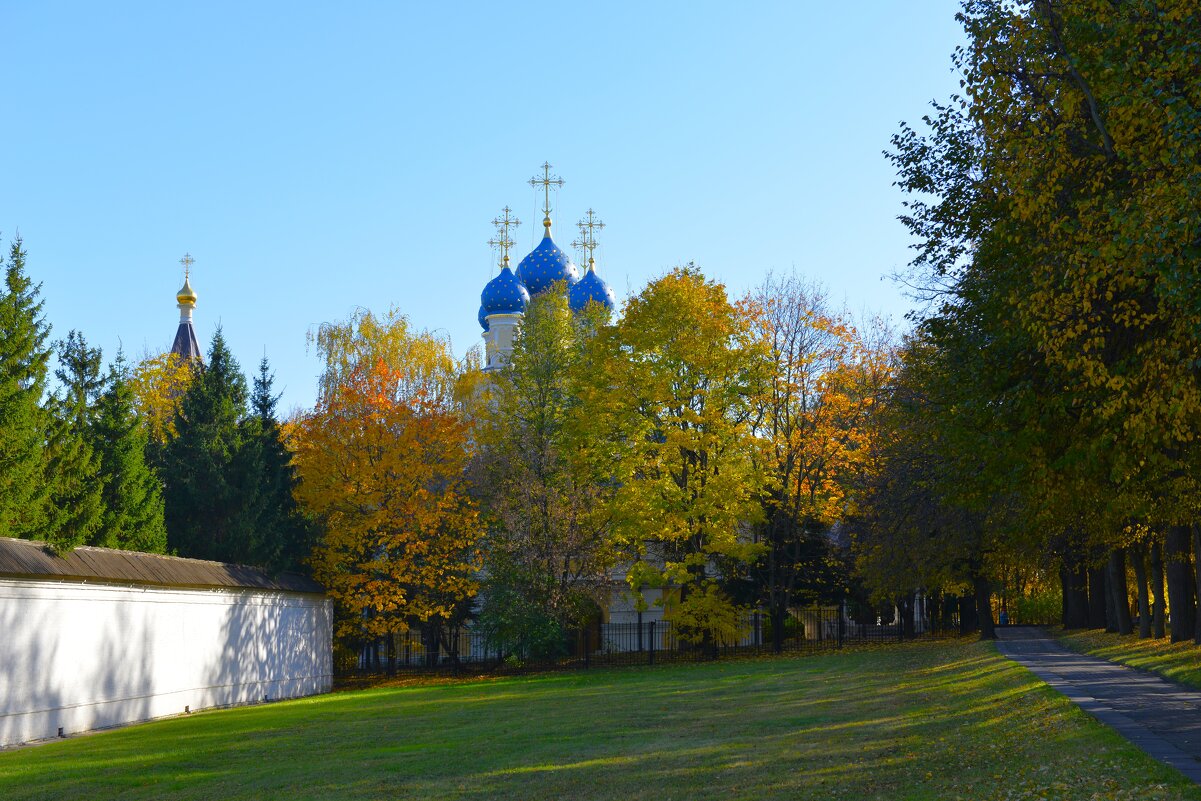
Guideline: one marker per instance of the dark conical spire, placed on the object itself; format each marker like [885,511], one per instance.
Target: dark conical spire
[186,344]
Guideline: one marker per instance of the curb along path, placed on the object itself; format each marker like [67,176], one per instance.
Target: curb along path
[1158,716]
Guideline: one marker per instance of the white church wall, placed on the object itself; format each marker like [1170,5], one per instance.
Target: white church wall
[81,656]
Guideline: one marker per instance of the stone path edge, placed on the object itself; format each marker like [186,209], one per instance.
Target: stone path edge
[1148,741]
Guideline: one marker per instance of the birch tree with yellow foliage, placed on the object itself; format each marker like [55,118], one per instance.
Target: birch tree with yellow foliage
[381,462]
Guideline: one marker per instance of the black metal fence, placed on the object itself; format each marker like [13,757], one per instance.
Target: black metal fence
[633,643]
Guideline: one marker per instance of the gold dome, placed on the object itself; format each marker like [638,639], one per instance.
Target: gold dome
[186,295]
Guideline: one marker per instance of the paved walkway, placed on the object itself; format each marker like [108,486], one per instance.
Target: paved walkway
[1158,716]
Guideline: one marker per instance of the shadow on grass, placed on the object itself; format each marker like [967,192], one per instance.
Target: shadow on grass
[917,721]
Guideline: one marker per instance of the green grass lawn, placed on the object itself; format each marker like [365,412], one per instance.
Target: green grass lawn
[1178,661]
[925,720]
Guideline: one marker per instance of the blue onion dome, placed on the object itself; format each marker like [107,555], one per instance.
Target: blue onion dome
[590,288]
[545,265]
[483,319]
[503,295]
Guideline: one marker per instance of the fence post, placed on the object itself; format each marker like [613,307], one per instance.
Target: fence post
[651,650]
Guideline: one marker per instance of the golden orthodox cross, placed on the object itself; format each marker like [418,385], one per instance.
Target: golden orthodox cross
[502,239]
[187,261]
[546,182]
[588,228]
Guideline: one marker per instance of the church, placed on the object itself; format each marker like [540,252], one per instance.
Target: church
[503,303]
[504,299]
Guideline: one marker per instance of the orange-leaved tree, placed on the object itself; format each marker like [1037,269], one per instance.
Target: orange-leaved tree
[813,415]
[381,460]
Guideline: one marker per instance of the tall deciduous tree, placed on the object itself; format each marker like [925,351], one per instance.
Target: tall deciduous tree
[382,462]
[675,397]
[543,492]
[158,384]
[1062,224]
[813,413]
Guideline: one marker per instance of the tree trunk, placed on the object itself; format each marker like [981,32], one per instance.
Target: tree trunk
[1159,609]
[907,609]
[967,614]
[1063,596]
[1180,594]
[1075,596]
[1196,579]
[1138,555]
[777,629]
[1096,598]
[1111,612]
[433,644]
[1120,591]
[984,608]
[950,611]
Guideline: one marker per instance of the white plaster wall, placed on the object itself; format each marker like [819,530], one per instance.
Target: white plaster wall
[83,656]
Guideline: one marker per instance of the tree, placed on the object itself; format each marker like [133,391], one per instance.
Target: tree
[673,401]
[280,534]
[812,415]
[1096,153]
[132,516]
[23,366]
[1061,224]
[158,384]
[382,462]
[205,495]
[71,470]
[932,515]
[543,493]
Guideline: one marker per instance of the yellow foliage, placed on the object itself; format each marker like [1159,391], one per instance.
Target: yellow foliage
[671,405]
[381,464]
[158,384]
[707,616]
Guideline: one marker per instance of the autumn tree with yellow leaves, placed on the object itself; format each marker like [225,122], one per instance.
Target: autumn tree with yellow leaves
[382,462]
[158,384]
[812,415]
[1100,105]
[1054,203]
[672,400]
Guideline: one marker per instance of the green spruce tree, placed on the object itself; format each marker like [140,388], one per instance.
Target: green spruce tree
[71,467]
[23,365]
[204,498]
[132,494]
[280,535]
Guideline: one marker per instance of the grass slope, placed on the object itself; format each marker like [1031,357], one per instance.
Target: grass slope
[949,720]
[1177,661]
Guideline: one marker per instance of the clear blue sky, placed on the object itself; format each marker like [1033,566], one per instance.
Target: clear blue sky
[314,158]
